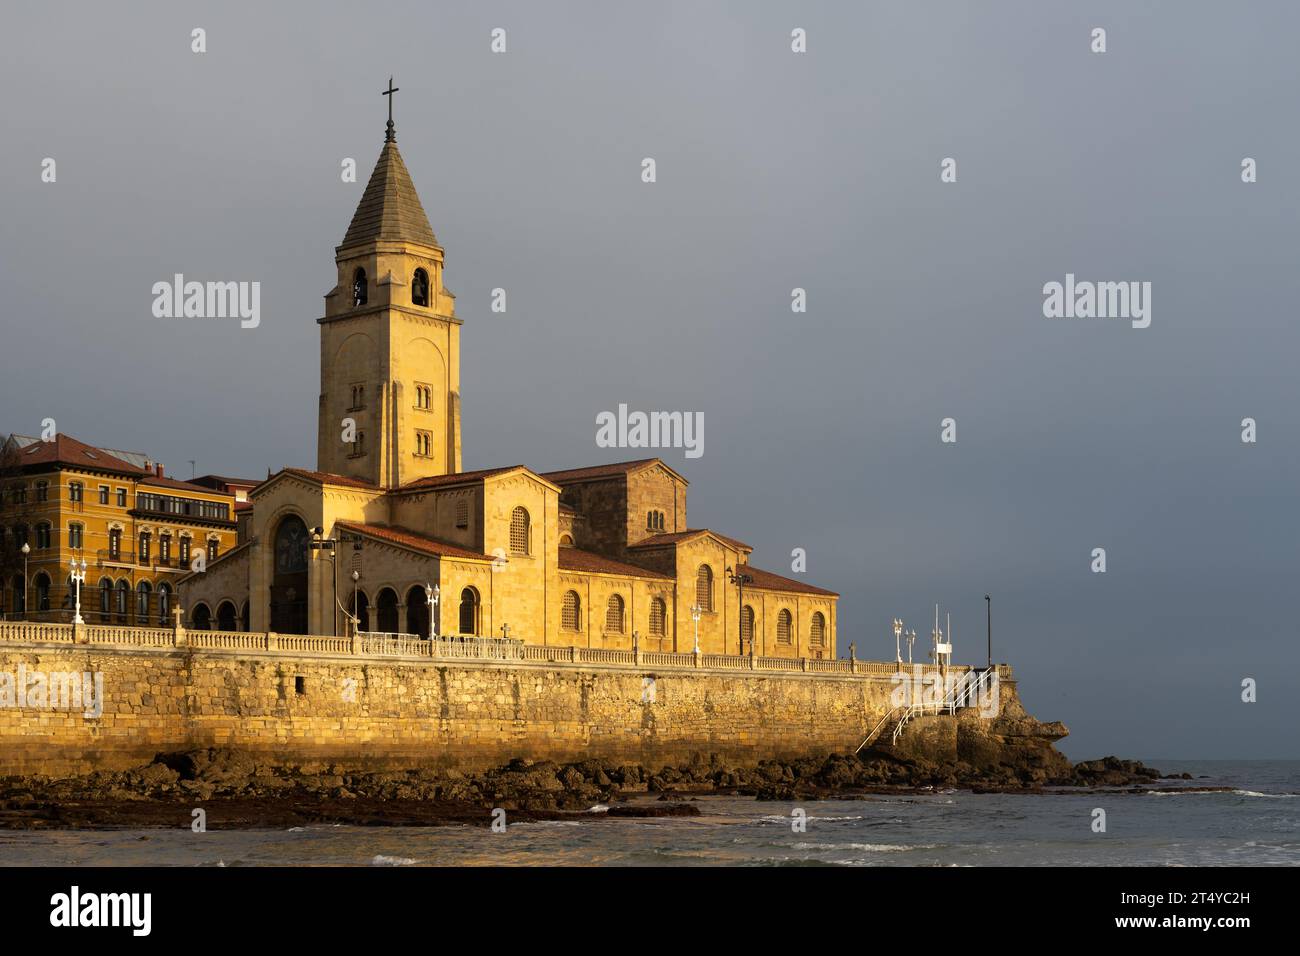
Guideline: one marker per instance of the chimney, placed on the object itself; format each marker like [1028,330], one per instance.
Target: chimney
[158,469]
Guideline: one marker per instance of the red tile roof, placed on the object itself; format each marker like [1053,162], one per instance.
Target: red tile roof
[66,450]
[575,559]
[414,541]
[603,471]
[324,478]
[180,485]
[664,540]
[774,582]
[456,478]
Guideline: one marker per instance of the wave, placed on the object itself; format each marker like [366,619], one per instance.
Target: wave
[381,860]
[866,847]
[1256,793]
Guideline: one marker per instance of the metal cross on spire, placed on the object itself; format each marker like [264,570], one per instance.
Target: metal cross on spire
[391,135]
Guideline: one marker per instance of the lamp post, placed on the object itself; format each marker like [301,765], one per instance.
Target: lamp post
[898,647]
[911,639]
[328,544]
[356,611]
[27,549]
[78,579]
[695,616]
[740,579]
[988,608]
[431,595]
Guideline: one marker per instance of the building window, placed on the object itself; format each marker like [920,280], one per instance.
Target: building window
[359,445]
[142,592]
[121,497]
[360,288]
[566,541]
[76,534]
[185,550]
[817,630]
[42,491]
[783,626]
[358,398]
[213,546]
[747,625]
[42,583]
[654,521]
[164,548]
[144,547]
[42,536]
[462,514]
[20,536]
[423,397]
[423,443]
[614,614]
[704,588]
[420,288]
[18,494]
[76,491]
[658,617]
[120,592]
[115,543]
[103,494]
[469,611]
[105,595]
[571,612]
[519,532]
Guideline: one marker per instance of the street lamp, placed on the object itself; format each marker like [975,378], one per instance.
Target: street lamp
[78,579]
[328,544]
[898,648]
[27,549]
[695,616]
[356,610]
[740,579]
[911,639]
[431,594]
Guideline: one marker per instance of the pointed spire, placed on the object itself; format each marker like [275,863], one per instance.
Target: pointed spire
[390,207]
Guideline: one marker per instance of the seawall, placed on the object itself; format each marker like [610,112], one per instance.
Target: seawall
[318,707]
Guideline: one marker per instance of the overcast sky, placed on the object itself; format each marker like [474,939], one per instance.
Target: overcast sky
[775,171]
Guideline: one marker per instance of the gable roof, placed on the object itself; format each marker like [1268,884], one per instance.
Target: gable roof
[318,477]
[66,450]
[576,559]
[404,537]
[768,581]
[457,478]
[612,470]
[389,207]
[677,537]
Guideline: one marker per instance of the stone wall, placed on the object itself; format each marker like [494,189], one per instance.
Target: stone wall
[363,711]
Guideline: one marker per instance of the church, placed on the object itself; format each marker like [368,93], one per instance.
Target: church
[388,535]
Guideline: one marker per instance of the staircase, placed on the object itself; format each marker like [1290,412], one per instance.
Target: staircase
[965,693]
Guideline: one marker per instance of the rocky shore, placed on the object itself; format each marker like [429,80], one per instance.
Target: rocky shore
[236,789]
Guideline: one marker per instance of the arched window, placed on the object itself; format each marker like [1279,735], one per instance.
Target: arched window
[417,612]
[658,617]
[76,536]
[817,630]
[164,548]
[360,288]
[747,625]
[244,618]
[42,585]
[201,618]
[121,593]
[43,535]
[468,611]
[571,612]
[386,607]
[142,592]
[704,588]
[186,541]
[614,614]
[226,616]
[566,541]
[288,592]
[784,620]
[105,596]
[420,287]
[164,603]
[519,531]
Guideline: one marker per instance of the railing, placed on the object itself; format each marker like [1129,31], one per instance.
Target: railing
[379,644]
[967,688]
[875,731]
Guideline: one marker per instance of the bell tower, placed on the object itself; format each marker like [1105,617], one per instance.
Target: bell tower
[390,340]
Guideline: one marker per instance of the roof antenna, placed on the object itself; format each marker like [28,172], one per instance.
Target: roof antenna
[193,472]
